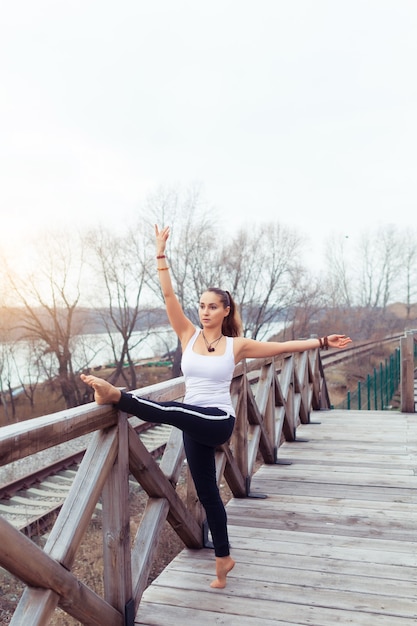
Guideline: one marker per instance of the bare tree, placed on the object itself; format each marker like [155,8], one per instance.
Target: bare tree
[193,248]
[49,297]
[261,264]
[6,381]
[310,301]
[121,263]
[30,368]
[380,258]
[3,337]
[339,270]
[409,267]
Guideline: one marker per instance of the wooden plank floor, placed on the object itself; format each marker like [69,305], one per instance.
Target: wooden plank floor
[335,542]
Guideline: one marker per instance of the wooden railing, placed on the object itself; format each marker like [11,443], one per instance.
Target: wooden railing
[407,354]
[271,398]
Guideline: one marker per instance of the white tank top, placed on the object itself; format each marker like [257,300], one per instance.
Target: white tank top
[208,378]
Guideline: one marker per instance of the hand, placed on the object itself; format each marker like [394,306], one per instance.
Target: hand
[338,341]
[161,239]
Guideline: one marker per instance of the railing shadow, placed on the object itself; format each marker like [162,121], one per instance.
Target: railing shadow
[271,397]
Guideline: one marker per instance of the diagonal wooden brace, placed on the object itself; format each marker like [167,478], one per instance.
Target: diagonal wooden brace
[147,472]
[25,560]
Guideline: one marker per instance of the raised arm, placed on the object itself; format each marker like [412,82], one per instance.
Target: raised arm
[182,326]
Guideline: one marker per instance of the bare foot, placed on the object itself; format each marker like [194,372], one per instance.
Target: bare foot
[224,564]
[104,392]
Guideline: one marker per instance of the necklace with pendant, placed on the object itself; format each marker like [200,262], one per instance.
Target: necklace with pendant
[213,344]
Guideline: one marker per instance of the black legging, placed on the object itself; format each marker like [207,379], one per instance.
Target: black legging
[201,436]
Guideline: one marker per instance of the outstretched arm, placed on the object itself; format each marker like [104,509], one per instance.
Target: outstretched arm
[252,349]
[182,326]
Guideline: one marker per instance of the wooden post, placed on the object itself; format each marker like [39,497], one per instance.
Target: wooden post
[287,388]
[116,529]
[407,373]
[301,379]
[240,433]
[269,416]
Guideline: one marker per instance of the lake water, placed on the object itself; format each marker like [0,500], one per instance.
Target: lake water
[94,350]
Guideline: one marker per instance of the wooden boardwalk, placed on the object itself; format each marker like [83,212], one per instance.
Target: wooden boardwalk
[335,541]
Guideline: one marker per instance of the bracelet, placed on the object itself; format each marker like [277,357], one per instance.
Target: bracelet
[161,269]
[161,256]
[321,344]
[326,342]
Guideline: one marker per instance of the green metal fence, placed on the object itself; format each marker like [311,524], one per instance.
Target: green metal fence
[376,393]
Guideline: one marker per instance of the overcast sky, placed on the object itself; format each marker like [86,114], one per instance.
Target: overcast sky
[298,110]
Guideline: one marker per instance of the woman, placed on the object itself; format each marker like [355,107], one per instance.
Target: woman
[206,416]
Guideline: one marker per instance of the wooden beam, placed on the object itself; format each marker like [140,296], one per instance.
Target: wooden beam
[146,544]
[146,471]
[301,384]
[173,457]
[25,560]
[286,380]
[233,475]
[116,528]
[78,508]
[265,402]
[407,373]
[30,436]
[240,431]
